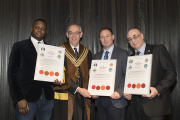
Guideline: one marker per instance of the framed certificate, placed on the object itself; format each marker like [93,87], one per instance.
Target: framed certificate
[138,74]
[49,63]
[102,77]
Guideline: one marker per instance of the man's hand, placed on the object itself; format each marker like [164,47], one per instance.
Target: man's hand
[84,92]
[94,96]
[115,95]
[153,93]
[57,82]
[127,96]
[23,107]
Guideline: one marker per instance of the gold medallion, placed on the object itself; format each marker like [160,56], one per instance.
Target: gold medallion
[77,73]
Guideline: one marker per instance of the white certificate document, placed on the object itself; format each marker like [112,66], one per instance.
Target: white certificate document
[102,77]
[138,74]
[49,63]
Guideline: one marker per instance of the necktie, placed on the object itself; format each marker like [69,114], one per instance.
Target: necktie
[106,55]
[39,42]
[77,73]
[137,53]
[76,53]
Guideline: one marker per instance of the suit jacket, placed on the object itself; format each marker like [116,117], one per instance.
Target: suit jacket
[121,56]
[162,77]
[21,70]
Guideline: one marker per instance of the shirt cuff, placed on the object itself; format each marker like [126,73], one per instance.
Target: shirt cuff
[76,90]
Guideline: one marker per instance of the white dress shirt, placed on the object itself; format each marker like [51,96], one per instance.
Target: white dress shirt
[35,43]
[109,54]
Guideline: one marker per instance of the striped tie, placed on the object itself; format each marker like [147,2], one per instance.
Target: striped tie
[106,55]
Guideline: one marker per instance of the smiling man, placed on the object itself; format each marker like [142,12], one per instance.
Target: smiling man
[157,104]
[33,98]
[113,107]
[76,106]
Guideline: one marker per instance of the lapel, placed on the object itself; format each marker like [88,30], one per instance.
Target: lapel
[114,56]
[81,49]
[31,47]
[100,54]
[148,49]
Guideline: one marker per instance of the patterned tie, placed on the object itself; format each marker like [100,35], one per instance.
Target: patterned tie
[137,53]
[106,55]
[77,73]
[76,53]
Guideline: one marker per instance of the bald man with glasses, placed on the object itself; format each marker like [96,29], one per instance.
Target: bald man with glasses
[156,105]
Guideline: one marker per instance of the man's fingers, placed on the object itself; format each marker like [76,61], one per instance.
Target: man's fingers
[150,96]
[127,96]
[95,97]
[57,82]
[89,95]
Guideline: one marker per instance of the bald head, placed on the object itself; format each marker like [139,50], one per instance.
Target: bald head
[135,38]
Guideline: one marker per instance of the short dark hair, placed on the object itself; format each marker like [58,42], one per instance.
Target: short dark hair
[105,28]
[74,24]
[40,20]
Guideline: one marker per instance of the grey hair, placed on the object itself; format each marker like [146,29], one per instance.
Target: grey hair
[74,24]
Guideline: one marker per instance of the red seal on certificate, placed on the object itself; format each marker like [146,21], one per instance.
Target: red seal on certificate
[134,86]
[93,87]
[138,85]
[97,87]
[102,87]
[41,72]
[108,87]
[46,73]
[56,74]
[51,73]
[129,85]
[143,85]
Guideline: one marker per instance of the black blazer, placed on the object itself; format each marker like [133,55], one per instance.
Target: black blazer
[21,70]
[162,77]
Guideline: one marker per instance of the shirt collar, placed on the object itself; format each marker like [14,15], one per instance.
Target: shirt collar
[142,49]
[110,49]
[75,47]
[36,41]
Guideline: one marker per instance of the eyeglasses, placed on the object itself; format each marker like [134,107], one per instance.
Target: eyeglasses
[75,33]
[135,37]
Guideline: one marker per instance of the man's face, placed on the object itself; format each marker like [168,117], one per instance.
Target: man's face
[74,34]
[135,38]
[106,39]
[38,31]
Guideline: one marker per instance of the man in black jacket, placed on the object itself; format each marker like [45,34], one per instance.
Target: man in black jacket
[157,104]
[33,98]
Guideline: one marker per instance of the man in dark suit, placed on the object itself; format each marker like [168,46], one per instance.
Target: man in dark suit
[157,104]
[113,107]
[33,98]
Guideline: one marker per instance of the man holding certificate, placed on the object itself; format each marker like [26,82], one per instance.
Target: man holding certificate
[157,104]
[72,101]
[113,107]
[34,99]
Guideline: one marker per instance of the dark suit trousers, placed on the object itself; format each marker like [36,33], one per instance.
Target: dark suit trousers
[143,115]
[107,111]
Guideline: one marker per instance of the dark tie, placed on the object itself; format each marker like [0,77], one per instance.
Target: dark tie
[76,53]
[39,42]
[106,55]
[138,52]
[77,73]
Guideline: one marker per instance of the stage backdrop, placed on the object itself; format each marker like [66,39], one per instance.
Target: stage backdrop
[158,20]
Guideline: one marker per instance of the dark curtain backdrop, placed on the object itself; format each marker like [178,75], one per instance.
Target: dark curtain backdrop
[158,20]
